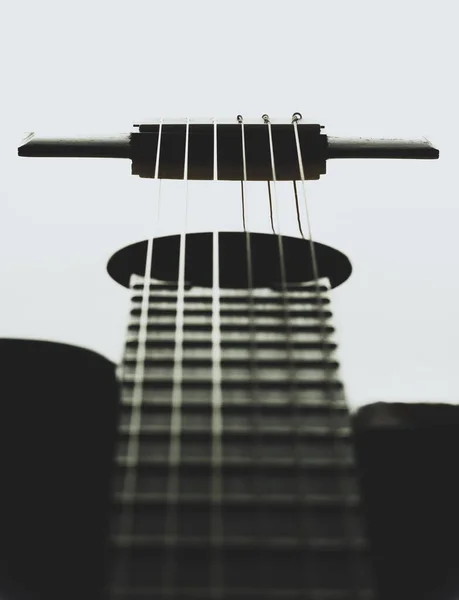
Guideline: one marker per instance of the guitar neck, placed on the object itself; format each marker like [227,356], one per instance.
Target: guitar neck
[243,484]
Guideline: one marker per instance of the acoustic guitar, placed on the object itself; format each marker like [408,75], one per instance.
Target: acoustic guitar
[228,468]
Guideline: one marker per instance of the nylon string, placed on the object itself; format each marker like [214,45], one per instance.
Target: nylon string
[216,582]
[271,215]
[328,372]
[132,451]
[297,207]
[289,345]
[168,574]
[252,348]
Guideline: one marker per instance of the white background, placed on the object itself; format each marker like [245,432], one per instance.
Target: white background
[359,68]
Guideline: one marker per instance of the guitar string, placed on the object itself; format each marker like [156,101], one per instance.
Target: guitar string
[271,216]
[293,390]
[243,202]
[126,525]
[216,582]
[252,347]
[170,563]
[297,208]
[327,352]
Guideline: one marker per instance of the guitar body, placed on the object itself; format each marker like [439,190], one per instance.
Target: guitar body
[57,425]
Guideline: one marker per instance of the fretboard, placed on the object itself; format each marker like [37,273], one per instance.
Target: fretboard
[260,500]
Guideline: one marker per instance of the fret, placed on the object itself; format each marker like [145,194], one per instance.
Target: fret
[279,356]
[255,593]
[315,483]
[327,479]
[307,289]
[233,371]
[274,523]
[242,299]
[138,284]
[242,395]
[234,338]
[314,380]
[280,446]
[160,309]
[237,459]
[276,379]
[274,298]
[241,343]
[234,460]
[161,429]
[242,416]
[169,325]
[198,445]
[165,298]
[259,502]
[260,327]
[192,361]
[192,327]
[197,542]
[238,317]
[168,343]
[282,567]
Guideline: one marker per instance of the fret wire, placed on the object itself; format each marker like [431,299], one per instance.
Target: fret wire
[176,400]
[248,593]
[326,351]
[130,479]
[216,582]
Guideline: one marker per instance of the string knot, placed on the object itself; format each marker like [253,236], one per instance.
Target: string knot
[296,117]
[239,119]
[265,118]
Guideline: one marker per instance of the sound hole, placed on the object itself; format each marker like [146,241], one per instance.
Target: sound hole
[266,269]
